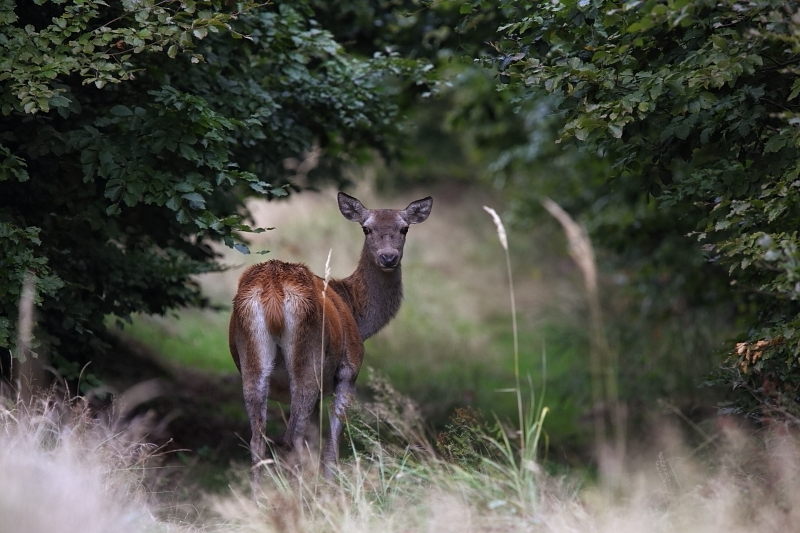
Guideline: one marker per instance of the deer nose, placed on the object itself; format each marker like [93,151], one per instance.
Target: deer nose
[389,260]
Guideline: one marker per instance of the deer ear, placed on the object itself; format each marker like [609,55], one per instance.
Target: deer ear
[418,211]
[351,208]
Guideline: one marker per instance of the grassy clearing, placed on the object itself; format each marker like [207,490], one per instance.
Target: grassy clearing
[448,347]
[194,338]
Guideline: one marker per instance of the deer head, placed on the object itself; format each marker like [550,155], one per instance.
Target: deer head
[385,229]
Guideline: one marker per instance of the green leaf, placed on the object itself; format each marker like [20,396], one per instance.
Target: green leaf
[114,189]
[775,143]
[196,200]
[59,101]
[173,203]
[795,89]
[121,111]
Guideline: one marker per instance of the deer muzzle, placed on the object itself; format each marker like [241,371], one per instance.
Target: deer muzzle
[388,260]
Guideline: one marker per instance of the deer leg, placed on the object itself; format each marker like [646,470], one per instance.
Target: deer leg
[302,352]
[303,402]
[343,394]
[312,432]
[255,401]
[304,393]
[257,362]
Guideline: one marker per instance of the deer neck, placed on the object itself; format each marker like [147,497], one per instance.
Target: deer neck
[373,295]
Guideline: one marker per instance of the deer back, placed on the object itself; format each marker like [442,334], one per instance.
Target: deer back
[285,304]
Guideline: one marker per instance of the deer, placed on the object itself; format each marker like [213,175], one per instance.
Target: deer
[296,337]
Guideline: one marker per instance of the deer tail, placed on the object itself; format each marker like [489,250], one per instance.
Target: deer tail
[272,303]
[264,307]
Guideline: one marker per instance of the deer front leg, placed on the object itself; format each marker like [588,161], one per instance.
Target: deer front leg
[343,395]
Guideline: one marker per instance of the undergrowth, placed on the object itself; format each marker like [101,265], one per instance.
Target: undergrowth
[68,468]
[65,469]
[398,478]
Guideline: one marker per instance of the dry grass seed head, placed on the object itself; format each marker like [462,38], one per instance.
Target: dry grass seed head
[64,470]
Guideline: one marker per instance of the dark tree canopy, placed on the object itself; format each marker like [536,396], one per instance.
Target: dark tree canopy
[131,133]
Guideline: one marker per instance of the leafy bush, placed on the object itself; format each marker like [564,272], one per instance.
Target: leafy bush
[693,105]
[133,132]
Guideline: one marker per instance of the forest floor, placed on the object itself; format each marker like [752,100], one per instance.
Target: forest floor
[195,417]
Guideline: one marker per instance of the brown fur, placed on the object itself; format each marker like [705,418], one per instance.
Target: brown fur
[287,332]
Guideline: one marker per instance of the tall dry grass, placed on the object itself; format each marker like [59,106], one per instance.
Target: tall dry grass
[395,481]
[62,469]
[608,411]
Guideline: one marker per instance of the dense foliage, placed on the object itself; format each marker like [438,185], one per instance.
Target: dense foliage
[430,151]
[688,111]
[131,133]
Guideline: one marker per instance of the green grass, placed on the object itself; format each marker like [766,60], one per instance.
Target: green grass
[553,356]
[451,344]
[196,339]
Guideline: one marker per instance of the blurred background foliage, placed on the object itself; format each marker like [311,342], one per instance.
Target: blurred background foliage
[690,104]
[666,128]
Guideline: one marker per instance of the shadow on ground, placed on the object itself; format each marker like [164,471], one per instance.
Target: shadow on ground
[196,418]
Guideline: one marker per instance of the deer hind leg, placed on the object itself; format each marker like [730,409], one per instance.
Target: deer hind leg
[343,395]
[255,401]
[257,350]
[302,352]
[303,402]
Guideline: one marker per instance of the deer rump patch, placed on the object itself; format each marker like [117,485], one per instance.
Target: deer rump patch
[277,304]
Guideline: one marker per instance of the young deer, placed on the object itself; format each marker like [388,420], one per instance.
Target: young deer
[282,347]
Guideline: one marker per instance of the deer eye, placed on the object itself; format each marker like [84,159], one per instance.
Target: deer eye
[404,230]
[367,231]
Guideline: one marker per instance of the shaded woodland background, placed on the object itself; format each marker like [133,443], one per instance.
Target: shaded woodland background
[148,151]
